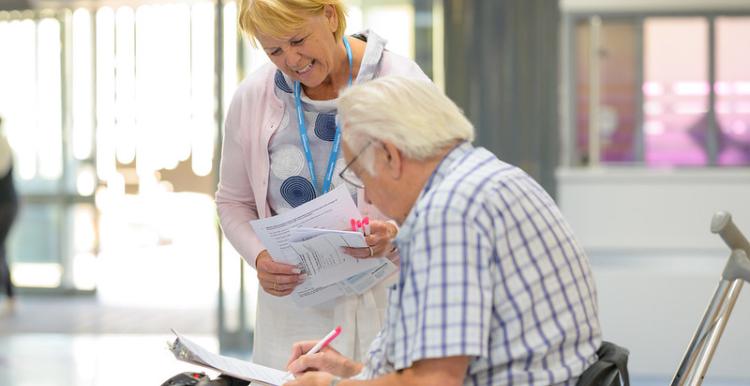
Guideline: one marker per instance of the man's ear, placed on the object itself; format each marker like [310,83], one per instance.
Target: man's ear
[394,160]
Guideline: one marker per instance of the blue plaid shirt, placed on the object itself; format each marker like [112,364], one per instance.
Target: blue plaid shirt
[490,270]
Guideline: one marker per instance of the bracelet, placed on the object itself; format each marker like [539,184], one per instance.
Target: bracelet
[335,381]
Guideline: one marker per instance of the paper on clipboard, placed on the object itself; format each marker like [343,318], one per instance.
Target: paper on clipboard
[191,352]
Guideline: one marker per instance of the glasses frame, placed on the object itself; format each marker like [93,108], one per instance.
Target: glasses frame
[356,183]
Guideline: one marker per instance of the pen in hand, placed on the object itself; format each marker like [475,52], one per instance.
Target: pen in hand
[321,345]
[325,341]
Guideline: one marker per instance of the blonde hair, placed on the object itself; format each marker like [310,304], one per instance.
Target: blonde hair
[279,18]
[412,114]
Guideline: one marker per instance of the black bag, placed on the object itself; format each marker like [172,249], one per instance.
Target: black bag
[611,367]
[201,379]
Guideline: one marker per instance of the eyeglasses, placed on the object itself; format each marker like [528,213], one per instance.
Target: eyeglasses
[348,175]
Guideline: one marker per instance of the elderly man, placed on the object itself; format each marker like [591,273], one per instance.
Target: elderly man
[493,287]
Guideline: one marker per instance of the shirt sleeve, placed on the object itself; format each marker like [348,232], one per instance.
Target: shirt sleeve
[446,289]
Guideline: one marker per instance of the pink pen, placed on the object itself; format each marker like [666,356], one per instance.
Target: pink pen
[353,222]
[319,346]
[366,222]
[325,341]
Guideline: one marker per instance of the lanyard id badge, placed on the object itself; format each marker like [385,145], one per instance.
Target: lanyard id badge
[306,141]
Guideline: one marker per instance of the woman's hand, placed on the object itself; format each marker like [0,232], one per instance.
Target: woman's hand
[327,359]
[277,279]
[380,241]
[313,378]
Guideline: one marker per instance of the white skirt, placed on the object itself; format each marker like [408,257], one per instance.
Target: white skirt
[280,323]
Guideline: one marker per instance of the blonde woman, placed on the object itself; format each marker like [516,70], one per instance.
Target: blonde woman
[280,151]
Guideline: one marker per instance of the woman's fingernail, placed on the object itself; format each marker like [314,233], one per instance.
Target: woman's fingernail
[302,277]
[296,271]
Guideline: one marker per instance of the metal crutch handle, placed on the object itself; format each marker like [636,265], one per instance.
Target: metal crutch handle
[736,272]
[703,344]
[723,225]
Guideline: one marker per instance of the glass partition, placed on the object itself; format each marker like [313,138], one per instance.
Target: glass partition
[617,54]
[675,91]
[732,89]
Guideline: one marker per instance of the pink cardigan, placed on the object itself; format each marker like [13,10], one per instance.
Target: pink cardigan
[254,115]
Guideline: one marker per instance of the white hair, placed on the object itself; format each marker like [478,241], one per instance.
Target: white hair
[414,115]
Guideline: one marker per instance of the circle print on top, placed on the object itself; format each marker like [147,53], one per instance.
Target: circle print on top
[325,127]
[287,161]
[281,82]
[297,190]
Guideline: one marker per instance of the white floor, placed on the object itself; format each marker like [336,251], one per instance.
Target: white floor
[157,269]
[123,360]
[90,360]
[90,344]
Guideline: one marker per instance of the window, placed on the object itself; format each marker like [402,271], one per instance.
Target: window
[648,82]
[675,91]
[97,114]
[732,90]
[618,87]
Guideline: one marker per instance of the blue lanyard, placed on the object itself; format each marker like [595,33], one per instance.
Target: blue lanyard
[306,142]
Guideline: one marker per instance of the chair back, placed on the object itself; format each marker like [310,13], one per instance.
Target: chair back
[610,370]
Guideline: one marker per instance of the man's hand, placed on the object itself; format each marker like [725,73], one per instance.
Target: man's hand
[277,279]
[379,240]
[449,371]
[313,378]
[327,359]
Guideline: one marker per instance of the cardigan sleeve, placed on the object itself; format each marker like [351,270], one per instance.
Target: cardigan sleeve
[235,198]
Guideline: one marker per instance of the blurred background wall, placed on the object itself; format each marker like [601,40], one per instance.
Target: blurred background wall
[634,114]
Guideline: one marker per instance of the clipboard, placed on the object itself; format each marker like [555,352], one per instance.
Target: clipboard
[188,351]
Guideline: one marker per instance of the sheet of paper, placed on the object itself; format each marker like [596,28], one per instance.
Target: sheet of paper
[192,352]
[321,256]
[304,233]
[332,210]
[323,216]
[307,296]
